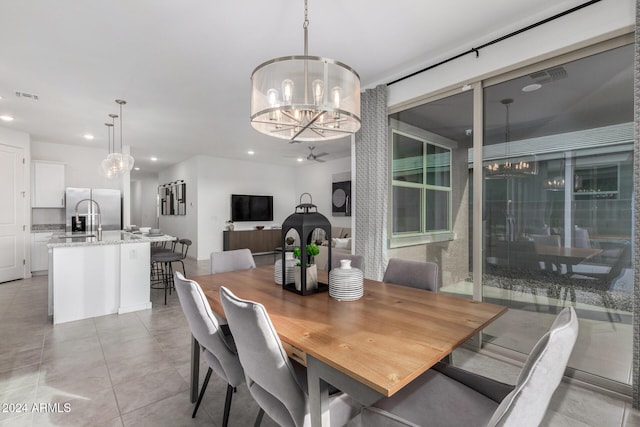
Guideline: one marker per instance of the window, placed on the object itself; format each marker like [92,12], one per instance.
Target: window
[421,186]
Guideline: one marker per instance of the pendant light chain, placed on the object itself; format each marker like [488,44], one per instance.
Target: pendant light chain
[305,25]
[113,125]
[120,102]
[109,126]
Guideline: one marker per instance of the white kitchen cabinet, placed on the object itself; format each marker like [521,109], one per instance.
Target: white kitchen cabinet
[39,251]
[48,185]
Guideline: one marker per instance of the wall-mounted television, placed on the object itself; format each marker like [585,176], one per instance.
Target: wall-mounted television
[251,208]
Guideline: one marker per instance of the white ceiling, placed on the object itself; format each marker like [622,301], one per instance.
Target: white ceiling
[184,67]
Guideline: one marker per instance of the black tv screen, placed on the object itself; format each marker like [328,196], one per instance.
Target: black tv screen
[251,208]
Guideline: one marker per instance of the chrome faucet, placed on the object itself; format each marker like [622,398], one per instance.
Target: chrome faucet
[90,201]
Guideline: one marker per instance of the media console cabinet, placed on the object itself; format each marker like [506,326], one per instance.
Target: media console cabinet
[257,241]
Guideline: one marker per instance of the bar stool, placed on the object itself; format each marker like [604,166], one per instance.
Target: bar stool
[156,268]
[166,259]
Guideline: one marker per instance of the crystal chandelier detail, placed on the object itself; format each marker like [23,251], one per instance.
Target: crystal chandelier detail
[305,98]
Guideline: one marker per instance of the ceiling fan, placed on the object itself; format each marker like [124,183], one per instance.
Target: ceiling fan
[313,156]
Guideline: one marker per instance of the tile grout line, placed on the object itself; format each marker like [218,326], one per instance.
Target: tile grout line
[113,391]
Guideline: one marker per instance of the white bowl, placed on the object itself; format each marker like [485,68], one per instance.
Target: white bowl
[145,229]
[154,231]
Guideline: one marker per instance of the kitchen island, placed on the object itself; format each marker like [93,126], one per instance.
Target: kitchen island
[91,277]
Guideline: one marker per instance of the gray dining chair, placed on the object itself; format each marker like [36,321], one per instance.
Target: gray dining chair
[357,261]
[238,259]
[448,396]
[225,261]
[277,383]
[218,350]
[415,274]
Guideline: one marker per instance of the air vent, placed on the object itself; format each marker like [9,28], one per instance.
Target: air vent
[27,95]
[550,75]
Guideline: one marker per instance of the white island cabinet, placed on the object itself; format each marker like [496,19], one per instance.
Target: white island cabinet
[90,277]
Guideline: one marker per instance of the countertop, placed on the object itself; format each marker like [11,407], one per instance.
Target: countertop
[65,240]
[47,228]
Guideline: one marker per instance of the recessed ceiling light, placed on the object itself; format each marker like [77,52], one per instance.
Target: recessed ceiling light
[251,152]
[88,136]
[154,159]
[6,118]
[136,168]
[531,87]
[300,159]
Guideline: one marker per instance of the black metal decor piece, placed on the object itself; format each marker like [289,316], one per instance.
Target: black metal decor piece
[304,221]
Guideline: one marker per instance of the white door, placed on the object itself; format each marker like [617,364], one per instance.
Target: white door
[12,213]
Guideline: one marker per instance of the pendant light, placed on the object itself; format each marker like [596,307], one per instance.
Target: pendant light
[305,98]
[557,183]
[126,160]
[521,167]
[110,165]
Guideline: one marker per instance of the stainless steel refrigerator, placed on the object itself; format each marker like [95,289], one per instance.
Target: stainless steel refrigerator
[85,202]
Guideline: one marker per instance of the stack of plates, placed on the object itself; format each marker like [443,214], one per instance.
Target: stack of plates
[345,284]
[290,271]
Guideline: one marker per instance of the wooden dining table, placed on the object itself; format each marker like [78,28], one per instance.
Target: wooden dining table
[556,255]
[369,348]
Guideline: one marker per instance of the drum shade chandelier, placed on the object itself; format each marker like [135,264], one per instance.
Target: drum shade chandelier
[521,167]
[116,163]
[305,98]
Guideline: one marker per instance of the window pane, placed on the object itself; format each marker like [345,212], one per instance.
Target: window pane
[438,166]
[437,210]
[407,158]
[406,210]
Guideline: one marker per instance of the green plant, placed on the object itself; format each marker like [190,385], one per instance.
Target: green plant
[312,251]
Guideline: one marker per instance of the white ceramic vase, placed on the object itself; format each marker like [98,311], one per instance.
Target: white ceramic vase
[312,277]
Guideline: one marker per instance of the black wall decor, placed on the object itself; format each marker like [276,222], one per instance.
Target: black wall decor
[341,198]
[173,198]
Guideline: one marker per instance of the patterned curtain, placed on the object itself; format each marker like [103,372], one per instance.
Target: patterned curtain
[636,217]
[372,183]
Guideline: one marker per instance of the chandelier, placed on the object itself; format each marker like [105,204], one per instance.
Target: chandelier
[521,167]
[116,163]
[557,183]
[305,98]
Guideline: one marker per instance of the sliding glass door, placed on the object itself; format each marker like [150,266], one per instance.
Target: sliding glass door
[553,212]
[557,202]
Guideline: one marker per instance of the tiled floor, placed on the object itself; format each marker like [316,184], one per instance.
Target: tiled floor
[133,369]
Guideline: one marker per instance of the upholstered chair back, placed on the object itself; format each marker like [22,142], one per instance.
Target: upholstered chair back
[239,259]
[270,376]
[204,327]
[415,274]
[527,403]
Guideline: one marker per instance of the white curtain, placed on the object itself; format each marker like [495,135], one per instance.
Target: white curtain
[372,182]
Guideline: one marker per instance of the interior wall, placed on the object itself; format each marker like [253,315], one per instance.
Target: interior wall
[574,28]
[183,226]
[318,180]
[144,192]
[218,178]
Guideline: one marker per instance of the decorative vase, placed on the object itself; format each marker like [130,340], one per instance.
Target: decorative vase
[312,277]
[230,227]
[346,282]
